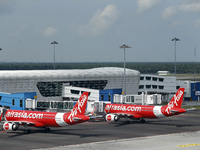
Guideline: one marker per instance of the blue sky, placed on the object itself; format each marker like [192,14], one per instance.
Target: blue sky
[93,30]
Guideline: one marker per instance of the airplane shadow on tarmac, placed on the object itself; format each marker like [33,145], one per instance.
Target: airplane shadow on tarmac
[156,123]
[71,132]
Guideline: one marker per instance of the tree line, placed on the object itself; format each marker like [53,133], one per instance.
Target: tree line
[143,67]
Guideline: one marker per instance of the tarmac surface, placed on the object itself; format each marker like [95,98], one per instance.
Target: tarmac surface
[177,132]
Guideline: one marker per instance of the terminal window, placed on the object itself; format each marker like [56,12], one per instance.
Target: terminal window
[75,91]
[102,97]
[53,89]
[21,103]
[148,78]
[148,86]
[85,91]
[109,98]
[13,102]
[155,79]
[154,86]
[141,86]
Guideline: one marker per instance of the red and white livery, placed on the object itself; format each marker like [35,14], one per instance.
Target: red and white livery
[15,118]
[116,111]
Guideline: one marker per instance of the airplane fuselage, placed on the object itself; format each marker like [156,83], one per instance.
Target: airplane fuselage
[138,111]
[42,119]
[115,111]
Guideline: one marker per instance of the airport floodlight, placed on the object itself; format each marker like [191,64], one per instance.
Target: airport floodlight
[175,39]
[124,46]
[54,42]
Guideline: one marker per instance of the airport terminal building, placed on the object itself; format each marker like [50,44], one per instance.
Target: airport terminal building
[62,88]
[49,84]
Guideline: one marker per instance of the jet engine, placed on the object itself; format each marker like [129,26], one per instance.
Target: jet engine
[111,117]
[10,126]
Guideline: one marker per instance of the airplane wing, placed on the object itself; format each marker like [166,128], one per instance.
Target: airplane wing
[92,113]
[93,116]
[29,123]
[20,122]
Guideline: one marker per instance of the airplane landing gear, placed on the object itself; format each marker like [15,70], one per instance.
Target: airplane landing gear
[47,129]
[27,131]
[142,120]
[127,122]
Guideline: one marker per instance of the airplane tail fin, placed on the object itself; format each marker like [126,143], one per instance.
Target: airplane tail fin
[177,99]
[80,106]
[174,106]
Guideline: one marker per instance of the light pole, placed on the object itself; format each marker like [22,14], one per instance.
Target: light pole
[175,39]
[54,42]
[124,83]
[194,69]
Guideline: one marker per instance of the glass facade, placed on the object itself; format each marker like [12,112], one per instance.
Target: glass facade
[55,105]
[53,89]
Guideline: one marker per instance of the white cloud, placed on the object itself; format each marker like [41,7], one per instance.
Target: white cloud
[194,7]
[50,31]
[169,12]
[101,21]
[144,5]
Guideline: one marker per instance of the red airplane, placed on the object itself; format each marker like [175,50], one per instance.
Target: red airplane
[116,111]
[15,118]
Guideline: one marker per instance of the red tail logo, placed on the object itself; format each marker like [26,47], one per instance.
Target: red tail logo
[79,108]
[176,101]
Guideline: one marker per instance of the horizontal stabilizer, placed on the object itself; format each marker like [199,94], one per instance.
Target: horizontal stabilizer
[190,109]
[76,119]
[177,110]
